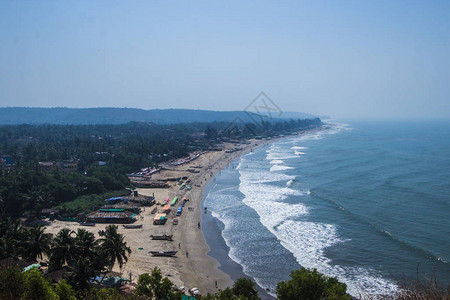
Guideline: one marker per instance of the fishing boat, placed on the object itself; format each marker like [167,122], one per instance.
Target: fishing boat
[86,224]
[132,226]
[162,237]
[163,253]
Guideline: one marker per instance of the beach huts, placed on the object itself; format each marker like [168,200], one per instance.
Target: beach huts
[118,216]
[125,206]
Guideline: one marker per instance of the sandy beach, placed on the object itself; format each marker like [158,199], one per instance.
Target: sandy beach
[191,267]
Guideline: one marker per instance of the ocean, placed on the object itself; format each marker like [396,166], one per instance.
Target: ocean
[368,203]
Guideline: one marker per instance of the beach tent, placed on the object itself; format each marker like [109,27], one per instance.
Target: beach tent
[113,281]
[31,266]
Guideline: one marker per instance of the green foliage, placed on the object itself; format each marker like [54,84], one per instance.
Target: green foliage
[80,272]
[11,235]
[36,287]
[64,291]
[11,283]
[35,243]
[104,294]
[311,285]
[243,289]
[63,249]
[154,286]
[113,246]
[86,202]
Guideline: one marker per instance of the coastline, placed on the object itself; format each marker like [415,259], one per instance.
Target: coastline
[212,229]
[192,266]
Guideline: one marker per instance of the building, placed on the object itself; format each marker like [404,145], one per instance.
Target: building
[65,166]
[117,216]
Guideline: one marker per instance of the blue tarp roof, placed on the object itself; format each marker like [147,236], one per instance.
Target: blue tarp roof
[115,198]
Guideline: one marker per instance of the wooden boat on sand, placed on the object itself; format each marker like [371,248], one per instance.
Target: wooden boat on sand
[163,253]
[132,226]
[162,237]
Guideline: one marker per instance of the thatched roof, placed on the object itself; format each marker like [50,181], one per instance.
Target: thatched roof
[12,262]
[58,275]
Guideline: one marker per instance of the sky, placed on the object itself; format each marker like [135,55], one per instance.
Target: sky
[343,59]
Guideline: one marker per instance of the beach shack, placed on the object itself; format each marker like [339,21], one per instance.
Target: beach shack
[174,201]
[115,215]
[125,206]
[160,219]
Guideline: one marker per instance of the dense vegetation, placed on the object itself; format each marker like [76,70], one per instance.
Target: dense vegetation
[104,155]
[83,254]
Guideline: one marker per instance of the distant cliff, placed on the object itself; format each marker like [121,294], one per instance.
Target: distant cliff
[111,115]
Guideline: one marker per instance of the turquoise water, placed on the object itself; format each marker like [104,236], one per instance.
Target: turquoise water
[366,202]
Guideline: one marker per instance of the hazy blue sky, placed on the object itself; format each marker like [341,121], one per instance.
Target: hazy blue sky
[346,59]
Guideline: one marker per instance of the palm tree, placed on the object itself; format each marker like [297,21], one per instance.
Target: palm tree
[85,243]
[113,246]
[80,273]
[36,243]
[11,236]
[63,249]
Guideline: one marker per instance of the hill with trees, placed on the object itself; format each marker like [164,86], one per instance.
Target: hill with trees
[115,115]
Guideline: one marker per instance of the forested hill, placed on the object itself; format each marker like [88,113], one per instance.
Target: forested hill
[110,115]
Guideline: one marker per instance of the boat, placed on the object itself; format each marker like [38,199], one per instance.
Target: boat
[86,224]
[154,210]
[132,226]
[163,253]
[162,237]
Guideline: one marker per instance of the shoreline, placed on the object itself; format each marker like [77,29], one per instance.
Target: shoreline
[212,229]
[192,266]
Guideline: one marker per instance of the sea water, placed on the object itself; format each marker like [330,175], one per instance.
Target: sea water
[368,203]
